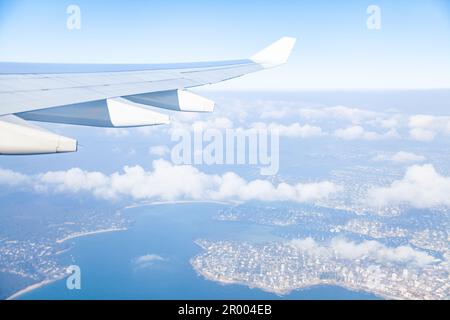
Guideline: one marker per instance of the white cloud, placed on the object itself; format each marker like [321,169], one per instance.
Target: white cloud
[75,180]
[211,123]
[401,157]
[369,250]
[353,115]
[234,187]
[421,127]
[171,182]
[421,187]
[275,114]
[390,122]
[147,261]
[148,130]
[11,178]
[356,132]
[362,123]
[294,130]
[310,246]
[425,127]
[159,151]
[148,258]
[116,132]
[215,123]
[350,133]
[421,121]
[423,135]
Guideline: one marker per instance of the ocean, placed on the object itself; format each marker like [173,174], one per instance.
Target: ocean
[163,237]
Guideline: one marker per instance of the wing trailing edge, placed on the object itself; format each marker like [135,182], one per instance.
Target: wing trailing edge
[177,100]
[108,113]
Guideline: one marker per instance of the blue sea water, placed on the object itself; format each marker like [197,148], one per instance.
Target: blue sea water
[109,270]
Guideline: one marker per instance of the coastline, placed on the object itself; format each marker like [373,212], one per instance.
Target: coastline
[59,241]
[33,287]
[279,293]
[282,293]
[76,235]
[89,233]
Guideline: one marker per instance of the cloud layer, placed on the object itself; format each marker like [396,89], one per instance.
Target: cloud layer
[401,157]
[370,250]
[424,128]
[169,182]
[421,187]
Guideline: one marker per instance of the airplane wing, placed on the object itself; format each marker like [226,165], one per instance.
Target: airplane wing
[108,95]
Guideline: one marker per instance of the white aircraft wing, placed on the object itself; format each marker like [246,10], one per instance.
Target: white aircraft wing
[110,95]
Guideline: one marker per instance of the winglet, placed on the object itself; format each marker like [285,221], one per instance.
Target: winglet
[275,54]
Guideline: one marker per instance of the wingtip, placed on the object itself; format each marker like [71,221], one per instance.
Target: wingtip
[275,54]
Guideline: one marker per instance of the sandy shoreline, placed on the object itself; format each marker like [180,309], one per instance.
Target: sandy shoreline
[32,287]
[47,282]
[90,233]
[85,234]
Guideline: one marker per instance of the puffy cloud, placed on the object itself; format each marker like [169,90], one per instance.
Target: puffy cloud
[390,122]
[148,258]
[350,133]
[364,124]
[425,127]
[159,151]
[171,182]
[147,261]
[375,124]
[11,178]
[275,113]
[379,252]
[421,127]
[233,186]
[310,246]
[116,132]
[356,132]
[423,135]
[282,109]
[370,250]
[220,123]
[74,180]
[421,121]
[294,130]
[354,115]
[401,157]
[421,187]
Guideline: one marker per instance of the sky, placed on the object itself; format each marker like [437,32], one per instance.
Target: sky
[335,48]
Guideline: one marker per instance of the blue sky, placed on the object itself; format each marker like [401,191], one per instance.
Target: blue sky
[335,49]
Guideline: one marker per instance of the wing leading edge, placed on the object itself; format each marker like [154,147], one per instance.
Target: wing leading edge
[117,95]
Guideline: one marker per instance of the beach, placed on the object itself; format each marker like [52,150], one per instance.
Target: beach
[89,233]
[32,287]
